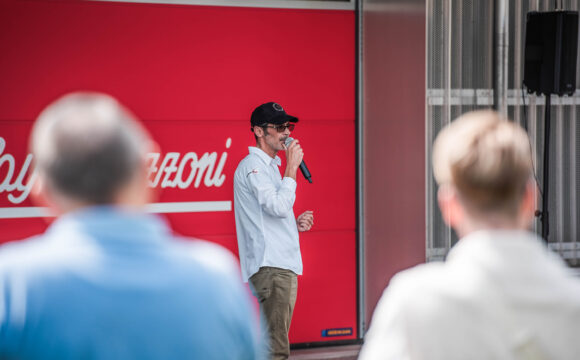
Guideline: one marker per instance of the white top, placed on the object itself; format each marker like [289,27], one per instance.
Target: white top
[499,295]
[265,222]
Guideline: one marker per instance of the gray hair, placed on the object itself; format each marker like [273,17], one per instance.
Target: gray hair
[88,146]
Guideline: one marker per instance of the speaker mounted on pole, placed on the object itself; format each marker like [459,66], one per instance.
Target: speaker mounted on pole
[550,52]
[550,68]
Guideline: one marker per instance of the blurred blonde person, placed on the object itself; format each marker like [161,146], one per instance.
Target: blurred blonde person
[500,294]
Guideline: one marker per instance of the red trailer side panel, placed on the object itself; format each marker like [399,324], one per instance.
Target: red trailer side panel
[193,74]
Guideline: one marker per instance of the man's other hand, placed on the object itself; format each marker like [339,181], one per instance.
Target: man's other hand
[305,221]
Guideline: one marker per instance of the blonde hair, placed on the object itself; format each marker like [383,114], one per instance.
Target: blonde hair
[487,159]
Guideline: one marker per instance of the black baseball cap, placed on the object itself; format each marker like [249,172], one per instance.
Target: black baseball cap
[271,113]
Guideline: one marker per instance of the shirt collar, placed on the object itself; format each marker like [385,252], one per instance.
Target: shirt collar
[106,222]
[494,243]
[265,157]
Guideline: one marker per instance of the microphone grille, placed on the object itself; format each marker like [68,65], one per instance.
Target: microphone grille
[288,140]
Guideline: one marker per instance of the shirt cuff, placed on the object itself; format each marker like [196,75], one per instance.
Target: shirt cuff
[289,183]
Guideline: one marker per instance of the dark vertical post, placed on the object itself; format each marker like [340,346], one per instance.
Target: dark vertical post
[545,185]
[495,65]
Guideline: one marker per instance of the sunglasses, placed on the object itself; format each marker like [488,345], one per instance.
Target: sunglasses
[281,128]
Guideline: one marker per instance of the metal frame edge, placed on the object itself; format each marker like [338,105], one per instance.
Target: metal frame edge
[281,4]
[360,173]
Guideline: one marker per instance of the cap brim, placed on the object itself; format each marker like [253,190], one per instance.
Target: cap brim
[293,119]
[283,119]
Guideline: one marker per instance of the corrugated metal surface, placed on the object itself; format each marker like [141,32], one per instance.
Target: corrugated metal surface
[460,78]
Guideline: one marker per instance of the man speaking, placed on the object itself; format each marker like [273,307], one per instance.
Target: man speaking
[266,228]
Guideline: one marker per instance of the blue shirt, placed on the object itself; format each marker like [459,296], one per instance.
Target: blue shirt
[104,283]
[265,223]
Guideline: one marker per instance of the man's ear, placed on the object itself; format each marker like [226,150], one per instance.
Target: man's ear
[451,208]
[151,194]
[40,195]
[258,131]
[528,206]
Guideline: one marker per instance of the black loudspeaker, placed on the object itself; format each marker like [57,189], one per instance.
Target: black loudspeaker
[551,52]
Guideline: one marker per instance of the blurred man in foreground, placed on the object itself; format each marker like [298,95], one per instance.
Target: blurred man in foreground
[500,294]
[106,280]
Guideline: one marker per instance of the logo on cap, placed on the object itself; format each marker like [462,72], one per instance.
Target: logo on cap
[277,107]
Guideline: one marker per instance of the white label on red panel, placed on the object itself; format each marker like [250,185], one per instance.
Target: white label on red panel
[172,170]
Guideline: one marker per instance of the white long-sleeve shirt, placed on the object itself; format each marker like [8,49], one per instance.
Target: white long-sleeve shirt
[265,223]
[499,295]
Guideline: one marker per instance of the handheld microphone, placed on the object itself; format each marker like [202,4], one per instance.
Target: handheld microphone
[303,167]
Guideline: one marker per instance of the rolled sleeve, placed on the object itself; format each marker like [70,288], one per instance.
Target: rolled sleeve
[274,201]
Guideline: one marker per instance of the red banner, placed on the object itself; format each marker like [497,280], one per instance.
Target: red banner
[193,75]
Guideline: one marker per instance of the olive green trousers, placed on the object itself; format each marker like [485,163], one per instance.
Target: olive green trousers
[276,291]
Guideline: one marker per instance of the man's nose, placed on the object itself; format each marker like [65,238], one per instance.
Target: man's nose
[287,131]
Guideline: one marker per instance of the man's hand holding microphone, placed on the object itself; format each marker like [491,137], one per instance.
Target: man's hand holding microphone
[294,156]
[289,144]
